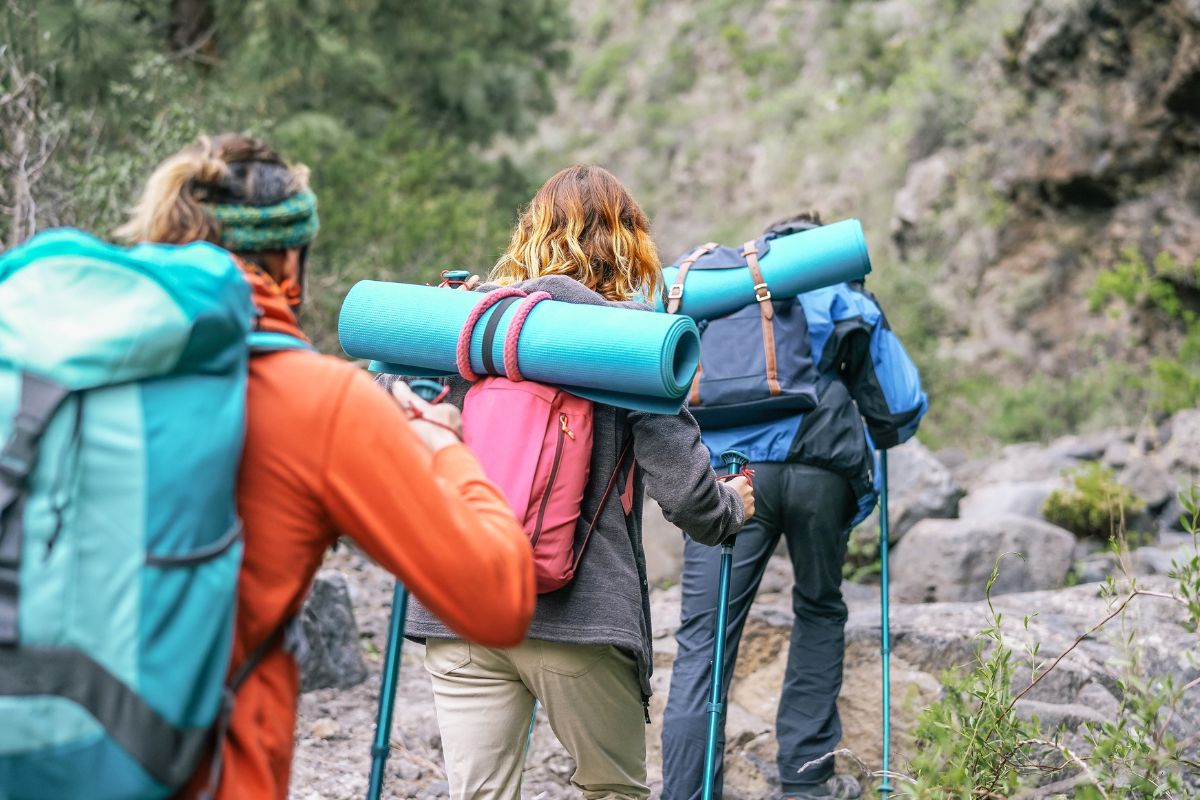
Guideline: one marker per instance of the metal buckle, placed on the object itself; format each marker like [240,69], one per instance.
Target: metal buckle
[675,292]
[765,293]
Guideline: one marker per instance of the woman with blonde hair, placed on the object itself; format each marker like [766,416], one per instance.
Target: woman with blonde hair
[322,454]
[587,658]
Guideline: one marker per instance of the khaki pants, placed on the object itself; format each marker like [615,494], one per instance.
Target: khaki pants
[484,699]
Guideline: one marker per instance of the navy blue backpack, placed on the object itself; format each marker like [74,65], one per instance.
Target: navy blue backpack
[744,377]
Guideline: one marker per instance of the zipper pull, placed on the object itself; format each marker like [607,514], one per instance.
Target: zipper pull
[562,420]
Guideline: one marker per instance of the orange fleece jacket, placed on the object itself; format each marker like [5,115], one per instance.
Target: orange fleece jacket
[328,453]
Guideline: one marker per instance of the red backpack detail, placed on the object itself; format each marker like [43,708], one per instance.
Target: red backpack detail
[534,442]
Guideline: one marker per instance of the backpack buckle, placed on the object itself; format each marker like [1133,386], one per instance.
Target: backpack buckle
[675,292]
[16,459]
[761,292]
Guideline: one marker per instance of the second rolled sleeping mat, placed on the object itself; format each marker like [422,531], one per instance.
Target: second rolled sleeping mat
[719,282]
[618,356]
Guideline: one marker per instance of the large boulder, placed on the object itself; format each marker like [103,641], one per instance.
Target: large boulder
[332,657]
[919,487]
[1030,462]
[951,560]
[1148,481]
[663,544]
[1180,456]
[1021,498]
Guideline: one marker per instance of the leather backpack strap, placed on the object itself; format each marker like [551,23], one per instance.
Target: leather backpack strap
[694,398]
[675,295]
[762,294]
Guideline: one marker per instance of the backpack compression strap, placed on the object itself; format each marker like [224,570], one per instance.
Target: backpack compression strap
[762,294]
[40,398]
[675,295]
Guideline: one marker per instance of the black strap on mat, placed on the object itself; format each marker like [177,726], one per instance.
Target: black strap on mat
[489,332]
[40,398]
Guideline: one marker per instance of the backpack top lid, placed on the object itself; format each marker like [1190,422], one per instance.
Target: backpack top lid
[726,257]
[89,314]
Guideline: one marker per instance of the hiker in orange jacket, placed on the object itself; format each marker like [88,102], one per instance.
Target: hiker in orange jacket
[327,453]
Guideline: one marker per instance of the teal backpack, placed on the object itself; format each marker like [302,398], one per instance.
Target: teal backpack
[122,405]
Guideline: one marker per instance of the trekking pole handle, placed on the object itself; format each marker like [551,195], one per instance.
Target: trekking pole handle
[426,390]
[735,461]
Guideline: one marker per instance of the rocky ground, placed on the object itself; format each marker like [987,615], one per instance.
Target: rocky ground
[953,517]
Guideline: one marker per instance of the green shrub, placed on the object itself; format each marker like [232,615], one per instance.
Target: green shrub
[1174,380]
[972,744]
[1094,505]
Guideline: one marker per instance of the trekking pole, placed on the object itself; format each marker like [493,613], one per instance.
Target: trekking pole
[426,390]
[734,463]
[885,646]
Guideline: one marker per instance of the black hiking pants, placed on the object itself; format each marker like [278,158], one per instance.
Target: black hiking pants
[810,507]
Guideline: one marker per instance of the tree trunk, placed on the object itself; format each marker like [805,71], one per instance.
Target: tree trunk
[192,28]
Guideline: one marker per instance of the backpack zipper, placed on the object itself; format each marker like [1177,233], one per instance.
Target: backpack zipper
[563,432]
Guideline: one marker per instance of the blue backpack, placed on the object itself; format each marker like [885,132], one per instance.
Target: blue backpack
[122,405]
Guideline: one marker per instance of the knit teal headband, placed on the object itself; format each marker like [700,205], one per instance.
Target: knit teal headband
[251,229]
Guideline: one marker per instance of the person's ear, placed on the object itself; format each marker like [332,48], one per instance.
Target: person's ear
[291,275]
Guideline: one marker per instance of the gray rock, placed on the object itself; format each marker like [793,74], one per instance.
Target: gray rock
[436,791]
[333,659]
[1170,519]
[1023,498]
[1055,715]
[663,543]
[952,457]
[950,560]
[1027,462]
[1148,481]
[1090,446]
[1180,456]
[1097,568]
[1158,560]
[919,487]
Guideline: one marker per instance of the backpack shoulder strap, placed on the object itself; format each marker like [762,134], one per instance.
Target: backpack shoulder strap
[608,490]
[675,295]
[262,342]
[40,398]
[221,732]
[762,295]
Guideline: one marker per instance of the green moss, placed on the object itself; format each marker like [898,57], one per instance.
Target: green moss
[1094,505]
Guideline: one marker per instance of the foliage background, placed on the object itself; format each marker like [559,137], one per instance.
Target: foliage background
[1046,281]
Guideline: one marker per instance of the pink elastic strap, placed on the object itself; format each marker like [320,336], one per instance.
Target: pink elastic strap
[511,370]
[462,355]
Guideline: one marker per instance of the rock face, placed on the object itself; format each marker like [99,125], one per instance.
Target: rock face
[950,560]
[1096,98]
[1181,453]
[919,487]
[1020,498]
[334,657]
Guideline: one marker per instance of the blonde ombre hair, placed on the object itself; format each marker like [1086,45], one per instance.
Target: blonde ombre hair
[228,168]
[584,224]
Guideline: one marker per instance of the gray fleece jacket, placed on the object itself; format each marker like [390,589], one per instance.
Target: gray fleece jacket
[608,602]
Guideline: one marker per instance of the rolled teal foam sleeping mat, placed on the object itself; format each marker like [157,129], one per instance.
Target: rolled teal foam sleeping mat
[618,356]
[797,263]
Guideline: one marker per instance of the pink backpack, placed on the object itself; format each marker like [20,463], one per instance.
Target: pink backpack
[534,442]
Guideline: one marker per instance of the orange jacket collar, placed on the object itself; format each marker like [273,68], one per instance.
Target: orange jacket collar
[274,313]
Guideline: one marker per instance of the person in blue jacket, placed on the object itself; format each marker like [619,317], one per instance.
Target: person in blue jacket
[815,478]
